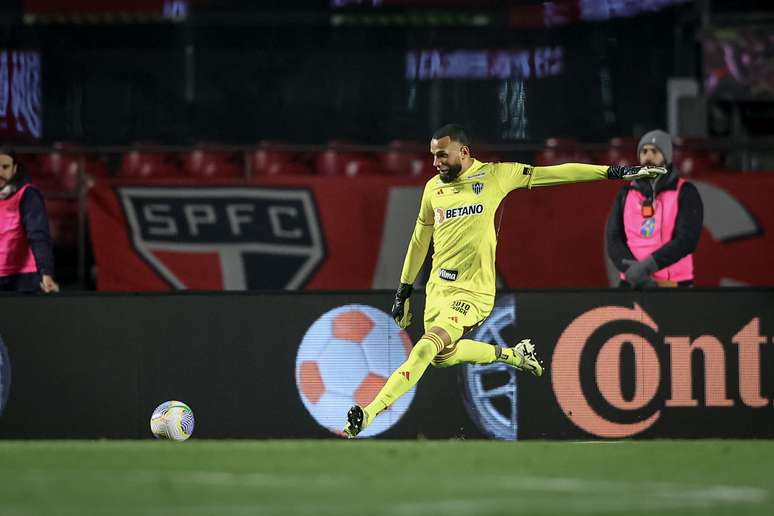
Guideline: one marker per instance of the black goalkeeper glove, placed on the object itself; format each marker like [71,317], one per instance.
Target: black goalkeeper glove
[630,173]
[401,310]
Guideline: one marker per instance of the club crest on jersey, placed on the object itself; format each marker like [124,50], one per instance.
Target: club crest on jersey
[477,188]
[442,215]
[648,227]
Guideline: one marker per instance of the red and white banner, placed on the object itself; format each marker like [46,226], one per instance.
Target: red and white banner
[343,233]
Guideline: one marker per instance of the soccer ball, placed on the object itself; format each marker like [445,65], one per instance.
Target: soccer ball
[344,359]
[172,420]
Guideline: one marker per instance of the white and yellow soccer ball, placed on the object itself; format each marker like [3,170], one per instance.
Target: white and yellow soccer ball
[172,420]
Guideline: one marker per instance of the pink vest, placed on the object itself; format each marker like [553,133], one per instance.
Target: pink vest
[15,252]
[645,235]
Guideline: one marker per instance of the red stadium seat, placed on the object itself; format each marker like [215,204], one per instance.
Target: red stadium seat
[622,151]
[404,158]
[291,168]
[139,164]
[408,145]
[616,156]
[693,156]
[692,162]
[332,162]
[207,164]
[362,167]
[268,161]
[60,171]
[624,143]
[561,150]
[56,172]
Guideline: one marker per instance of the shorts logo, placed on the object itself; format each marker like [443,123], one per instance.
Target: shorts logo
[234,235]
[461,307]
[442,215]
[448,274]
[477,188]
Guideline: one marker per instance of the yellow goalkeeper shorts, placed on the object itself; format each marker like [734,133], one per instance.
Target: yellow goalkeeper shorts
[455,310]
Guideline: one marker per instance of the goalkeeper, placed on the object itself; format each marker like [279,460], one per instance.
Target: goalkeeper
[457,213]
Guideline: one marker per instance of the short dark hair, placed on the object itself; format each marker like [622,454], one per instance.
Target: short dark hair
[456,132]
[8,151]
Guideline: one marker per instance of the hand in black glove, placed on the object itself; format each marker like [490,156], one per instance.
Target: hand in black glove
[630,173]
[638,272]
[401,308]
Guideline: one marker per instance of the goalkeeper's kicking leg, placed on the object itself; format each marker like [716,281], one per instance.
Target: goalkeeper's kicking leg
[436,348]
[400,381]
[441,346]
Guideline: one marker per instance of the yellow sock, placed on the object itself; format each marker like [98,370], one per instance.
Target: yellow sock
[405,376]
[467,352]
[475,352]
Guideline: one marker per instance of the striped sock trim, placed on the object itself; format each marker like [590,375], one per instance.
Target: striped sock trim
[443,356]
[436,340]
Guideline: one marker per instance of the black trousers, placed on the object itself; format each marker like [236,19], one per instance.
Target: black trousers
[680,284]
[28,282]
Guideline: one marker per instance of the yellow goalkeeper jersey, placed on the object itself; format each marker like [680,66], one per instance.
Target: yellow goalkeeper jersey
[459,218]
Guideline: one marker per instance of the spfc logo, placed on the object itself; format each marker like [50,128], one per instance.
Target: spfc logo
[477,188]
[226,238]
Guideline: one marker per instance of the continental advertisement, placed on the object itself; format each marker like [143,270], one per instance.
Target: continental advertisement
[619,365]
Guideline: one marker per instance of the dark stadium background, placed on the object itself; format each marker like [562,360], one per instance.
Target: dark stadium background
[221,174]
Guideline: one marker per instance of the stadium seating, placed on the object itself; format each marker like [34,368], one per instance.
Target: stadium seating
[271,161]
[693,162]
[362,167]
[141,164]
[59,172]
[212,164]
[404,158]
[692,157]
[333,161]
[561,150]
[621,151]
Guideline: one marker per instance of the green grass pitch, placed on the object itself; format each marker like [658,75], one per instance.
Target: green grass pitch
[390,478]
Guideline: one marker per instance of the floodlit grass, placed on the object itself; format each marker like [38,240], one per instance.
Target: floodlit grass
[391,478]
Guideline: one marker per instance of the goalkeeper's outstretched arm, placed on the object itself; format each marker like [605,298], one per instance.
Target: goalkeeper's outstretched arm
[580,172]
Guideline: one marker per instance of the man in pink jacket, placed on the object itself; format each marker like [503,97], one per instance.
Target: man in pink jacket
[26,256]
[655,224]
